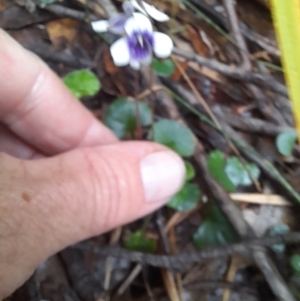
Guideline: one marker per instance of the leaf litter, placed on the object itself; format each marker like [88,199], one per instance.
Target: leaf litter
[208,57]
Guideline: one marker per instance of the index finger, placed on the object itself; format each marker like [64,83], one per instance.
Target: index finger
[35,104]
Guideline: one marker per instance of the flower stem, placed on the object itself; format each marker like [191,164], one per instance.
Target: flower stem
[138,132]
[152,98]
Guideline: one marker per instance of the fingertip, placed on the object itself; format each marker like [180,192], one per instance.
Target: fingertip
[163,174]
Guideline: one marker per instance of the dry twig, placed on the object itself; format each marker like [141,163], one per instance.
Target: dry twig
[234,72]
[64,11]
[237,35]
[176,262]
[249,124]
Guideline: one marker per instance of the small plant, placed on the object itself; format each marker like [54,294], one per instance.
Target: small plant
[120,116]
[279,229]
[82,83]
[139,42]
[186,199]
[215,230]
[138,46]
[163,68]
[137,241]
[285,142]
[175,136]
[231,173]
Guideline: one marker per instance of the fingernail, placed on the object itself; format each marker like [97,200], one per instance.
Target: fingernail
[163,174]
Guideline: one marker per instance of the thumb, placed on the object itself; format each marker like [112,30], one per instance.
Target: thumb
[48,204]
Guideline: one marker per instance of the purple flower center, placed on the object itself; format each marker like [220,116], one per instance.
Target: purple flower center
[140,44]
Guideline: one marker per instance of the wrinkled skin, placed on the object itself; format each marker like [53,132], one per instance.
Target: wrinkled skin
[64,177]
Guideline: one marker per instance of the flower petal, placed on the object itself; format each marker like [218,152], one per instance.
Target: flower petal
[120,52]
[163,45]
[135,64]
[100,26]
[154,13]
[128,8]
[150,10]
[138,22]
[117,23]
[147,59]
[136,5]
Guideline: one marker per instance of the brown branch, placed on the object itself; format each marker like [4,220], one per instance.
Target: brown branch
[260,40]
[250,35]
[233,72]
[177,261]
[46,53]
[63,11]
[206,285]
[249,124]
[236,33]
[108,7]
[272,275]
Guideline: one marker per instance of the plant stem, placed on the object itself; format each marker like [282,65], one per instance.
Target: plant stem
[138,127]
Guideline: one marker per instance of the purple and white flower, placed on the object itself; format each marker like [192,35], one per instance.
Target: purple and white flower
[140,43]
[116,23]
[150,10]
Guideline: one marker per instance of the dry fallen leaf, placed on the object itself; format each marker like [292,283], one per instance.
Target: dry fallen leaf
[177,74]
[4,4]
[109,65]
[199,45]
[62,30]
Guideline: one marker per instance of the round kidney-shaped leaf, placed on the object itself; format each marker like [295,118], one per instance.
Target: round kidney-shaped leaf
[175,136]
[190,171]
[138,241]
[285,142]
[82,83]
[279,229]
[186,199]
[120,116]
[163,68]
[216,162]
[214,231]
[295,264]
[238,174]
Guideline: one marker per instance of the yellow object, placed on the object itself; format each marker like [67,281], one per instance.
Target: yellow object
[286,18]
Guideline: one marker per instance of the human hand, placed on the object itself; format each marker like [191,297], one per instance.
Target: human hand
[82,182]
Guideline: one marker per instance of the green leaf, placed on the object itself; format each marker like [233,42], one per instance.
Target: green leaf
[238,174]
[216,162]
[186,199]
[190,171]
[163,68]
[279,229]
[175,136]
[295,264]
[120,116]
[82,83]
[285,142]
[214,231]
[137,241]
